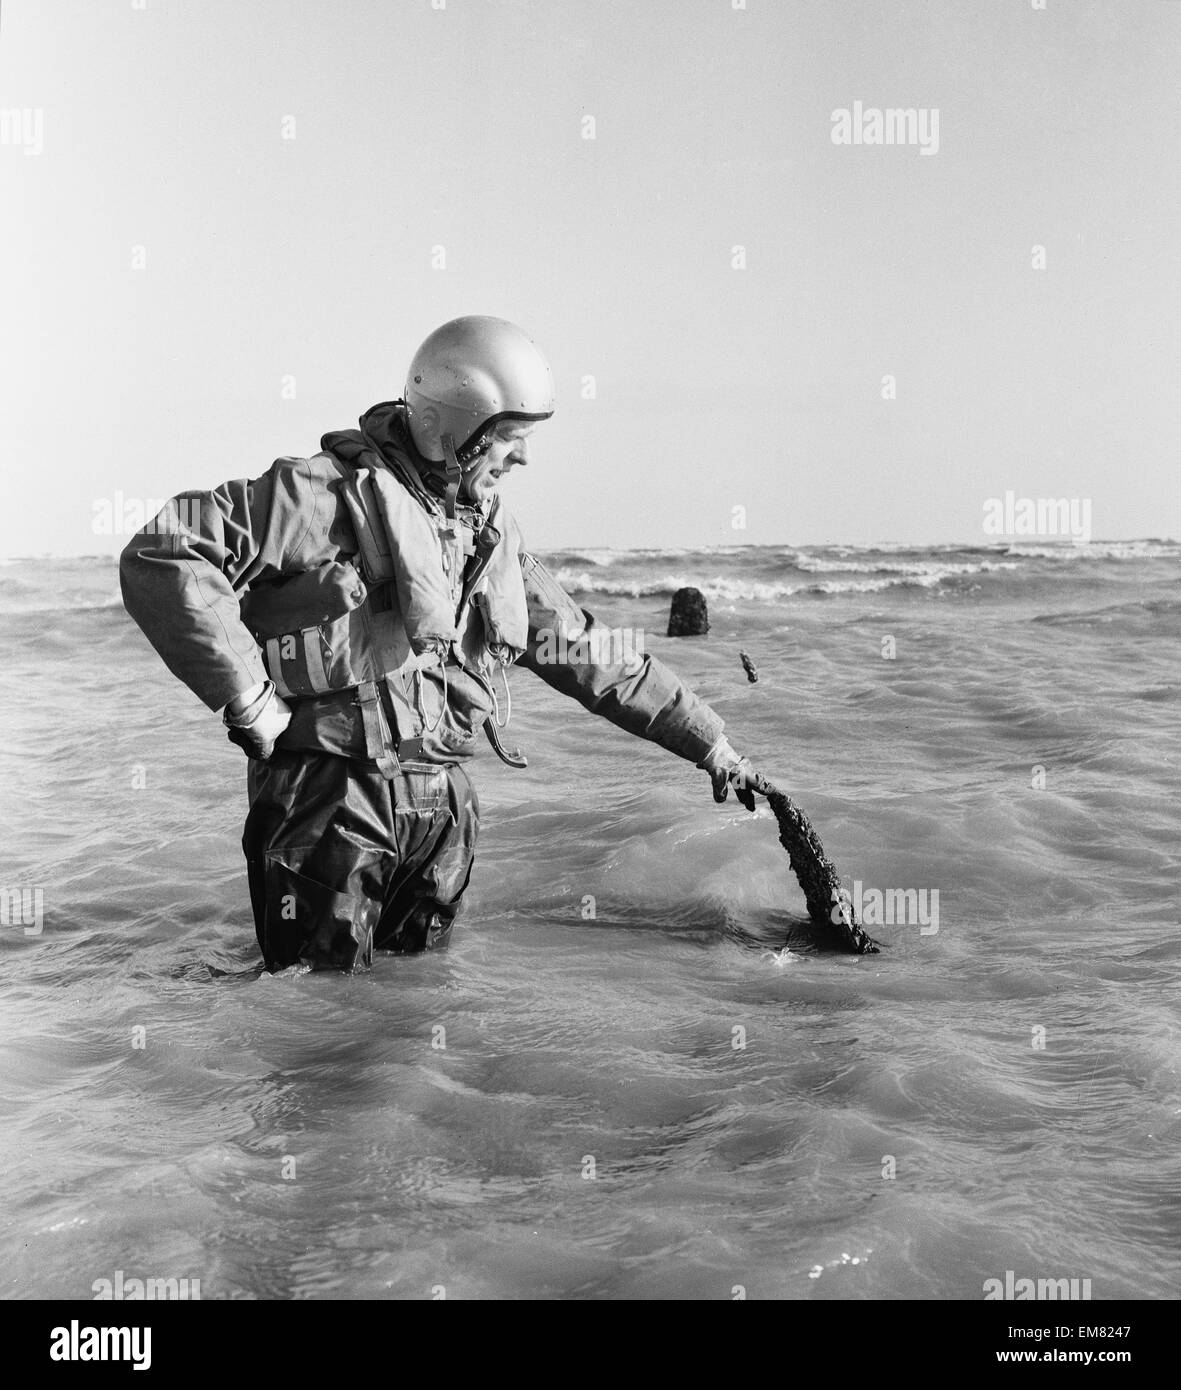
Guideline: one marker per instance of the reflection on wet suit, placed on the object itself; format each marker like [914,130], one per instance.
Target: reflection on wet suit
[343,861]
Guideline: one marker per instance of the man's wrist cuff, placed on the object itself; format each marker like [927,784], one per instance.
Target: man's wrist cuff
[715,751]
[250,714]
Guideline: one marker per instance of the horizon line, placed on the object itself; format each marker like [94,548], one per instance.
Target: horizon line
[1002,543]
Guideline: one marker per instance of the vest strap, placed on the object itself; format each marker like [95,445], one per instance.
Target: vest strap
[378,746]
[372,543]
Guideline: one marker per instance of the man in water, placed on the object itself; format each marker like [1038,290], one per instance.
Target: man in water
[351,613]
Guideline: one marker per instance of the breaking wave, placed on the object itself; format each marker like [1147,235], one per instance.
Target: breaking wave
[761,591]
[1097,550]
[813,564]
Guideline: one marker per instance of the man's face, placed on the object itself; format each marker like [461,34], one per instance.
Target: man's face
[509,446]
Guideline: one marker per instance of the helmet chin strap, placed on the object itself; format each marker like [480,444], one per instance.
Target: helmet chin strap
[454,474]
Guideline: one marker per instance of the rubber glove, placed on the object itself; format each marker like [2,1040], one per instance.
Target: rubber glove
[256,718]
[727,769]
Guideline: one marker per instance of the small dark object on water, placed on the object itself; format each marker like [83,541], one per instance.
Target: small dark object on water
[688,616]
[818,878]
[748,666]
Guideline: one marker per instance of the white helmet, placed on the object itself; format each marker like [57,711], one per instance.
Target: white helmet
[467,377]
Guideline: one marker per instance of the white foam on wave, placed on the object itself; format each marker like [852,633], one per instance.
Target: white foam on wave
[601,558]
[813,564]
[1096,550]
[733,590]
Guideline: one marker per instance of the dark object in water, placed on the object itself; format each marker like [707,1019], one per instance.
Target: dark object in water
[828,903]
[749,667]
[688,616]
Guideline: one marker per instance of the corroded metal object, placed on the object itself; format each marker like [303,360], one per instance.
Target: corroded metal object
[688,616]
[828,903]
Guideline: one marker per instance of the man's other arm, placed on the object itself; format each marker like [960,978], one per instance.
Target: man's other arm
[184,574]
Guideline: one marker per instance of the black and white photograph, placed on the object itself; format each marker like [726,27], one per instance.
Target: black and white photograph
[589,594]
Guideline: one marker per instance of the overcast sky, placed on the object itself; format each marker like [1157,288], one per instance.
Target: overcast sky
[285,282]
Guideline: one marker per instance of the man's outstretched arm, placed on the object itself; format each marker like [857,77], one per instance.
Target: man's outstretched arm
[634,690]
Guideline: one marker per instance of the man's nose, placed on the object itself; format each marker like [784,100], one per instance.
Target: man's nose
[520,453]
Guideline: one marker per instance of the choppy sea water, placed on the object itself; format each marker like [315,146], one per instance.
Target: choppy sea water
[656,1101]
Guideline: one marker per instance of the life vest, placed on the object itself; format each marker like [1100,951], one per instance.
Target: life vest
[396,629]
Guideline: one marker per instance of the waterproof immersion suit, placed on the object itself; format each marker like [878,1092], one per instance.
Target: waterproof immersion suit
[341,578]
